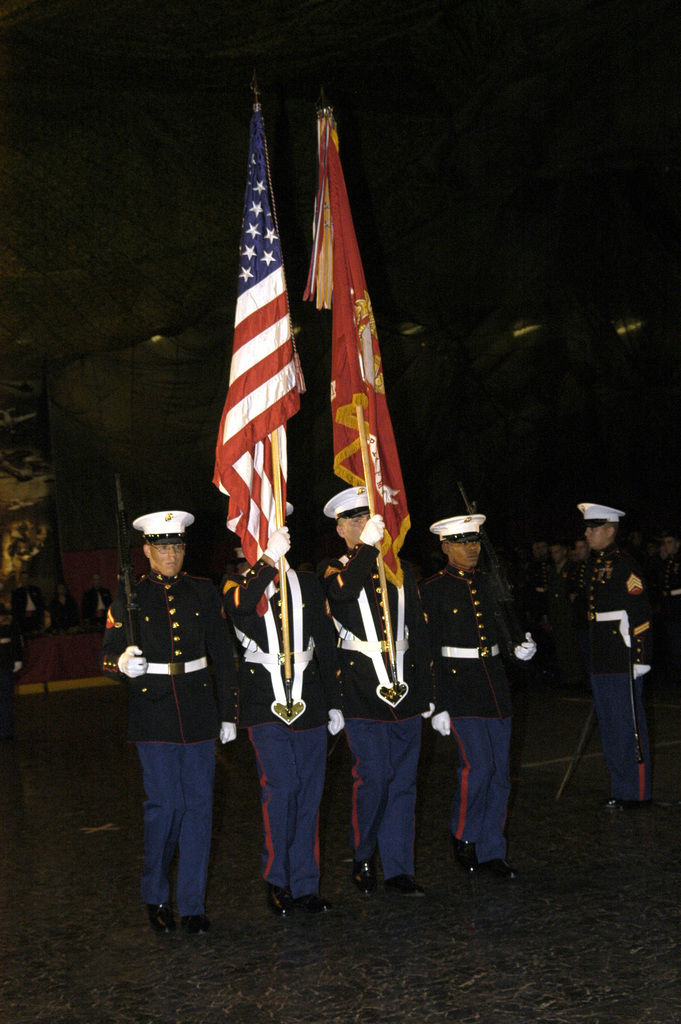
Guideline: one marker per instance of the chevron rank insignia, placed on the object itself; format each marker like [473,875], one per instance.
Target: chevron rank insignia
[635,584]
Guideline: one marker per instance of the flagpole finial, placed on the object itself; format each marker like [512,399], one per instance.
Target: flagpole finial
[255,91]
[322,107]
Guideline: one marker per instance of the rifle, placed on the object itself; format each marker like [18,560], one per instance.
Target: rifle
[126,573]
[504,604]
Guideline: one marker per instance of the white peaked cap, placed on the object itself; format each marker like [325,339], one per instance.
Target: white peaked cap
[164,524]
[600,512]
[350,500]
[458,526]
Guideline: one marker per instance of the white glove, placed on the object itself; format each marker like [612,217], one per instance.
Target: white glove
[336,721]
[428,713]
[527,649]
[373,531]
[278,544]
[132,662]
[640,670]
[17,666]
[227,732]
[441,723]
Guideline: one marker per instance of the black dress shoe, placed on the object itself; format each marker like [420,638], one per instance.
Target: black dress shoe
[195,924]
[499,868]
[615,804]
[465,854]
[279,900]
[403,885]
[161,917]
[312,903]
[364,876]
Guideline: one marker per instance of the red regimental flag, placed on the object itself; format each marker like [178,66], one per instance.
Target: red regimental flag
[265,384]
[356,371]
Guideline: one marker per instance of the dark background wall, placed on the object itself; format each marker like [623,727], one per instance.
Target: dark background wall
[513,170]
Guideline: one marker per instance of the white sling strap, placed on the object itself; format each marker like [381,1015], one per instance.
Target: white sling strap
[272,659]
[374,648]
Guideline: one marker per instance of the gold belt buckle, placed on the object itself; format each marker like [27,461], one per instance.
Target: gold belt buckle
[176,668]
[484,652]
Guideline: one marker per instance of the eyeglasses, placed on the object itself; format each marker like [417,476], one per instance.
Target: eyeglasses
[165,549]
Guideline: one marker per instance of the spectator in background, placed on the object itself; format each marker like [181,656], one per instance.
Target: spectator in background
[63,610]
[559,610]
[668,599]
[579,570]
[28,606]
[544,666]
[95,604]
[10,662]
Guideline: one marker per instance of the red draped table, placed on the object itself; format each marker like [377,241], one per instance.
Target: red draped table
[51,659]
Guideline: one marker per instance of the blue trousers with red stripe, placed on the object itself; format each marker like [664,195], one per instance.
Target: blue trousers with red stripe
[384,791]
[291,767]
[629,778]
[178,814]
[478,813]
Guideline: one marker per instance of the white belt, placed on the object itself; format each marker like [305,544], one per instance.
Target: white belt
[470,652]
[675,593]
[351,643]
[5,640]
[263,658]
[619,616]
[176,668]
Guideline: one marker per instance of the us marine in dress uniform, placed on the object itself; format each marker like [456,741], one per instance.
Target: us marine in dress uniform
[472,695]
[579,571]
[289,741]
[175,711]
[619,640]
[382,721]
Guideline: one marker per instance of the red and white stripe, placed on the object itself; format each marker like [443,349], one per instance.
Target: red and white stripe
[263,393]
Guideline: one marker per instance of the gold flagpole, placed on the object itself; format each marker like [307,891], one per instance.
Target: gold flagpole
[368,476]
[283,583]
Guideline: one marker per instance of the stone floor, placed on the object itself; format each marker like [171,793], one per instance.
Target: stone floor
[589,932]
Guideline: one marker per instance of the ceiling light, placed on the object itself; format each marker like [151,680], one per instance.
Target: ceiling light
[625,325]
[409,330]
[520,329]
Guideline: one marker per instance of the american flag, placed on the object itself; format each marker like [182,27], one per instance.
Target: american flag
[336,274]
[265,380]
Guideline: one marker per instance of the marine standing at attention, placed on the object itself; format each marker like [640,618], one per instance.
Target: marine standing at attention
[619,640]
